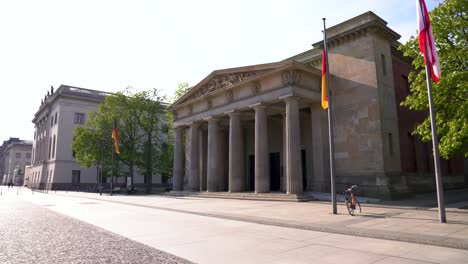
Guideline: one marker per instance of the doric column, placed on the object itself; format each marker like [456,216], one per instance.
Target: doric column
[236,151]
[178,175]
[293,147]
[262,166]
[213,172]
[194,158]
[203,147]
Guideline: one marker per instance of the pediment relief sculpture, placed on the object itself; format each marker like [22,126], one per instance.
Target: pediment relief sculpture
[291,77]
[221,81]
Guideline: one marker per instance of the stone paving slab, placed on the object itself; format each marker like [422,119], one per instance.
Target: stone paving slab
[390,222]
[33,234]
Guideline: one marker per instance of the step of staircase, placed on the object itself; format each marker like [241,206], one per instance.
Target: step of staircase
[244,196]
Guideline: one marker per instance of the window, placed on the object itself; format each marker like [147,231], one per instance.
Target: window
[76,176]
[79,118]
[384,67]
[50,146]
[53,147]
[52,121]
[18,155]
[56,117]
[406,84]
[28,155]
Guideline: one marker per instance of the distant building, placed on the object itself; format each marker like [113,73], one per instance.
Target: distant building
[53,161]
[15,155]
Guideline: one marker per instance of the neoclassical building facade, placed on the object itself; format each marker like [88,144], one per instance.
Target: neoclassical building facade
[261,128]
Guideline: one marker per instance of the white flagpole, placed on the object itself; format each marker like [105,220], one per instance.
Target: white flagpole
[435,144]
[330,123]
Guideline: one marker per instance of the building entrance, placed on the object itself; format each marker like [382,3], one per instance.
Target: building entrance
[275,171]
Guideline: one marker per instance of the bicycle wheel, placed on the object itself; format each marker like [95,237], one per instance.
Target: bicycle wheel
[352,210]
[357,206]
[350,207]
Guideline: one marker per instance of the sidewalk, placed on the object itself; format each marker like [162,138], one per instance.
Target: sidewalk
[401,222]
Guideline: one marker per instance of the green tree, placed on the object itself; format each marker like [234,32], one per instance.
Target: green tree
[449,22]
[137,116]
[181,90]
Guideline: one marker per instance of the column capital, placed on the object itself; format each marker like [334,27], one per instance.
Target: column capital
[194,124]
[259,105]
[232,113]
[212,119]
[289,97]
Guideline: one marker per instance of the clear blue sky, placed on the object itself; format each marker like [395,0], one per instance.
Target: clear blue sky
[109,45]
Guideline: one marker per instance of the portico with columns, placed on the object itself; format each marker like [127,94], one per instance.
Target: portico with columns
[256,129]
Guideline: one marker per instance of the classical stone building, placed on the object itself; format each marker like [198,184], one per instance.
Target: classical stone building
[261,128]
[15,155]
[53,160]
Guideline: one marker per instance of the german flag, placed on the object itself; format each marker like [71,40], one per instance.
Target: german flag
[324,80]
[115,137]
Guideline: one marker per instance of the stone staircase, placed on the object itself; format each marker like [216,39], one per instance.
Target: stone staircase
[273,196]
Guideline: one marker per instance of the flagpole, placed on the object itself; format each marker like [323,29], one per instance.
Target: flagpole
[435,144]
[112,170]
[330,123]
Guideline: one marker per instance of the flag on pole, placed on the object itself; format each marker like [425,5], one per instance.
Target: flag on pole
[324,80]
[115,137]
[426,37]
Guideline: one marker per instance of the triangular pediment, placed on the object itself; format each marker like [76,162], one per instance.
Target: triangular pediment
[221,79]
[229,78]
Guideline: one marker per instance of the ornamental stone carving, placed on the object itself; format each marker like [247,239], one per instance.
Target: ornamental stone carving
[229,96]
[291,77]
[221,81]
[256,88]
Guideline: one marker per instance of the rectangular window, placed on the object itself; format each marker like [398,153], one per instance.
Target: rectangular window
[28,155]
[406,84]
[52,121]
[384,65]
[18,155]
[79,118]
[76,176]
[390,144]
[53,147]
[56,117]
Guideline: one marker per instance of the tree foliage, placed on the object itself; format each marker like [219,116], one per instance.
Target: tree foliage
[181,90]
[449,21]
[140,117]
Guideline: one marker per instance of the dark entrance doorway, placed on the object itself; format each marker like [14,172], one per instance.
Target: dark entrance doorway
[275,170]
[251,179]
[304,168]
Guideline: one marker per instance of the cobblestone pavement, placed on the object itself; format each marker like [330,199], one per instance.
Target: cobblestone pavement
[33,234]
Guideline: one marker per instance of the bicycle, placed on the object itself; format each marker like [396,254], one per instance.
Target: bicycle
[352,204]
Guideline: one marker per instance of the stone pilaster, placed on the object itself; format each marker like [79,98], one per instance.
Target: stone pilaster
[236,154]
[194,166]
[178,176]
[262,165]
[213,171]
[293,147]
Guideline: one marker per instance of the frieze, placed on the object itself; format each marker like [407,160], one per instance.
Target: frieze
[221,81]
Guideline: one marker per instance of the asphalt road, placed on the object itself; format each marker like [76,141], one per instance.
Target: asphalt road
[33,234]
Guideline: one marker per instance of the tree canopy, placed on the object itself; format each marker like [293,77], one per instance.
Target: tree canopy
[449,22]
[141,118]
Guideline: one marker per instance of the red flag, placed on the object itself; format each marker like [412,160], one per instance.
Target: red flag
[115,137]
[426,39]
[324,80]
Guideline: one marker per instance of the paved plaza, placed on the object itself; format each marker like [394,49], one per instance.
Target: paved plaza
[204,230]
